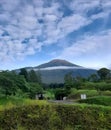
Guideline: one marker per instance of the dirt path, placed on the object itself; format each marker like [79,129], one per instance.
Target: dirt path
[62,101]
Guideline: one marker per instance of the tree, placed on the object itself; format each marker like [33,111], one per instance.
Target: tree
[24,72]
[7,86]
[103,73]
[35,88]
[34,77]
[93,78]
[60,93]
[11,83]
[78,81]
[21,83]
[68,81]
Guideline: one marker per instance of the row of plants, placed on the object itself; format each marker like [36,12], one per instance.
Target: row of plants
[75,93]
[45,116]
[99,100]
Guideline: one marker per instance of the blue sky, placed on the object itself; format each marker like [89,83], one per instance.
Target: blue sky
[36,31]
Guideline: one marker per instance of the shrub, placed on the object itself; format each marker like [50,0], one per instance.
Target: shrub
[106,93]
[102,86]
[75,94]
[99,100]
[56,117]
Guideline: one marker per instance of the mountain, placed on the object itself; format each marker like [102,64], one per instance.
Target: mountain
[55,70]
[55,63]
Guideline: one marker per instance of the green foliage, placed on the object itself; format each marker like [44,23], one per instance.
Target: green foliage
[75,94]
[14,84]
[35,88]
[104,73]
[24,73]
[73,82]
[34,77]
[11,83]
[60,93]
[12,101]
[99,100]
[31,76]
[21,83]
[102,86]
[106,93]
[42,116]
[7,86]
[49,94]
[68,81]
[93,78]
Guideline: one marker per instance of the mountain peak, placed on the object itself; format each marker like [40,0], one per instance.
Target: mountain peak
[57,62]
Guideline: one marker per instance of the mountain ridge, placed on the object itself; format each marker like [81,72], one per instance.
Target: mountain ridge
[55,70]
[57,62]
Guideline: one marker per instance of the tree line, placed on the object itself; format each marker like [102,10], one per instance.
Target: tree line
[28,83]
[98,81]
[24,83]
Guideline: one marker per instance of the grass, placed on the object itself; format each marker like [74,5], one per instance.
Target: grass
[36,115]
[99,100]
[75,94]
[11,101]
[49,94]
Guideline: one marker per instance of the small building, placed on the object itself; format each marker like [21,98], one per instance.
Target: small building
[83,96]
[39,96]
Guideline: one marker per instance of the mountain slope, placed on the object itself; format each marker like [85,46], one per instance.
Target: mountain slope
[55,70]
[57,75]
[57,62]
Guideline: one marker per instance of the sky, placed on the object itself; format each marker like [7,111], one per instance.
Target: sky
[36,31]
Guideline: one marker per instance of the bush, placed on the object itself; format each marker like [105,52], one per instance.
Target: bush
[102,86]
[49,94]
[75,94]
[60,93]
[56,117]
[106,93]
[100,100]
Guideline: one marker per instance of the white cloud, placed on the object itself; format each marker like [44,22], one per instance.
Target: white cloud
[65,26]
[97,46]
[43,25]
[102,8]
[51,18]
[60,67]
[83,6]
[72,23]
[9,5]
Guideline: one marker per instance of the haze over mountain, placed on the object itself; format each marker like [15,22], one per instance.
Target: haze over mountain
[55,70]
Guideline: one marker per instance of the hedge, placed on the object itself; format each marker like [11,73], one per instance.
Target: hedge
[56,117]
[99,100]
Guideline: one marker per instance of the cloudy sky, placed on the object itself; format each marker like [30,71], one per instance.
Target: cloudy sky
[36,31]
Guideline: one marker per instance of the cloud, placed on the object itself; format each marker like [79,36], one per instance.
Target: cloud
[60,67]
[72,23]
[97,46]
[26,26]
[80,6]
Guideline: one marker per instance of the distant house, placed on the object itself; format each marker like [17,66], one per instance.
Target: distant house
[39,96]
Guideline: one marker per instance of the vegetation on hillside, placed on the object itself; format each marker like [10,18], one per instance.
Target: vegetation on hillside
[24,84]
[28,84]
[99,100]
[18,110]
[45,116]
